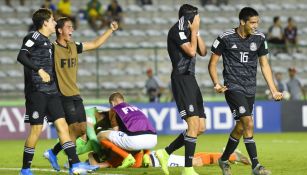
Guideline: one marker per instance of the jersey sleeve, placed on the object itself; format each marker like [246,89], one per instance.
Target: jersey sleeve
[79,47]
[263,49]
[179,36]
[218,46]
[28,44]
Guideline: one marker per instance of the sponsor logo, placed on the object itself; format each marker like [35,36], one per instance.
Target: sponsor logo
[234,46]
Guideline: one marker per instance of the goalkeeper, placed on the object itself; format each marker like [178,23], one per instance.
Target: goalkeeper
[98,155]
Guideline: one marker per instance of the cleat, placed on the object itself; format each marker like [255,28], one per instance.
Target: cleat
[260,170]
[52,159]
[241,158]
[146,160]
[189,171]
[26,171]
[127,162]
[82,168]
[162,156]
[224,165]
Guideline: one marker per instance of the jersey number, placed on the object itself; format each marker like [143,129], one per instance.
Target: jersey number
[244,57]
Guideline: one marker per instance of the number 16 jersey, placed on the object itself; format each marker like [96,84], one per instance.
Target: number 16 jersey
[240,58]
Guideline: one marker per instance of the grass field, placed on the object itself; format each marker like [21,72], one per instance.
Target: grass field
[283,154]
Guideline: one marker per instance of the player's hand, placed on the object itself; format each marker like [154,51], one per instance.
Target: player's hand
[277,96]
[44,75]
[114,26]
[195,25]
[220,89]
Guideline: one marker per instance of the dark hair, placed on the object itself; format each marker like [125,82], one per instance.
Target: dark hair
[39,16]
[275,19]
[115,95]
[60,24]
[187,10]
[246,13]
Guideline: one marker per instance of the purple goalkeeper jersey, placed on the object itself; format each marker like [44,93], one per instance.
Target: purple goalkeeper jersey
[133,119]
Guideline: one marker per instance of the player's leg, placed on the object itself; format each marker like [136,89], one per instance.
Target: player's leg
[146,158]
[190,143]
[163,154]
[138,156]
[195,118]
[75,117]
[57,114]
[248,135]
[235,101]
[115,140]
[36,110]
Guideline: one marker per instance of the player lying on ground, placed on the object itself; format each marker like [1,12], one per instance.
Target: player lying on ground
[88,144]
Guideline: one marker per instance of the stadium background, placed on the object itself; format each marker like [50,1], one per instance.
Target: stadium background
[121,64]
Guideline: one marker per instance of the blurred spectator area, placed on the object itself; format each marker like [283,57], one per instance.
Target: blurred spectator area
[121,63]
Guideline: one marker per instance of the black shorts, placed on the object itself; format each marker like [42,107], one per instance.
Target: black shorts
[188,97]
[240,105]
[74,109]
[40,105]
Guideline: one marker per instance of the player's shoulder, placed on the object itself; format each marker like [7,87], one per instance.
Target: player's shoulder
[33,35]
[227,33]
[260,34]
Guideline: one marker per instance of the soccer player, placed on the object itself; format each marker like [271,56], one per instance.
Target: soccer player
[183,42]
[132,131]
[111,159]
[242,48]
[41,92]
[66,66]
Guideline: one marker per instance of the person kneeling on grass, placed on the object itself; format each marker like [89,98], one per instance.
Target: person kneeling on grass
[99,121]
[130,128]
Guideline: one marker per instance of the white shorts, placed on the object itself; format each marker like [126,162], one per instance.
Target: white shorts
[133,143]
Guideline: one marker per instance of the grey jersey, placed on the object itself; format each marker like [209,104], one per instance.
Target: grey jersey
[181,62]
[240,59]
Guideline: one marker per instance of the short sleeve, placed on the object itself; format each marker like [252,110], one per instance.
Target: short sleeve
[179,36]
[79,47]
[218,46]
[28,44]
[263,49]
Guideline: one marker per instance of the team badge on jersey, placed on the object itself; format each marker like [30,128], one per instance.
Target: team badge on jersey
[242,109]
[35,115]
[191,108]
[29,43]
[253,46]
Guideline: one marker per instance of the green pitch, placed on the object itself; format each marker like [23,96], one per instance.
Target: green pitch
[283,154]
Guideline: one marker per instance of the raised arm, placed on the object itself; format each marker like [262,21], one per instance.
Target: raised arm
[201,46]
[190,47]
[97,42]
